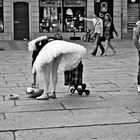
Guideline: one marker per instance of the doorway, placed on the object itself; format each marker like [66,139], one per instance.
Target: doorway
[21,21]
[133,16]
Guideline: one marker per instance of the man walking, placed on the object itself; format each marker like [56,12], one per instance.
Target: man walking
[136,37]
[98,33]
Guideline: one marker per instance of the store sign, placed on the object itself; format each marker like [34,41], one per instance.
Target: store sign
[97,1]
[103,7]
[76,3]
[50,3]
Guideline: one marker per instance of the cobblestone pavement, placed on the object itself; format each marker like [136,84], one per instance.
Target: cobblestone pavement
[110,112]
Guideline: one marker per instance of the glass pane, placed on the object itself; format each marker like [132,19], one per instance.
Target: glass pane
[66,18]
[73,11]
[50,15]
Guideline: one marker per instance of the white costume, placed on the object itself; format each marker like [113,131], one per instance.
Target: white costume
[71,55]
[55,54]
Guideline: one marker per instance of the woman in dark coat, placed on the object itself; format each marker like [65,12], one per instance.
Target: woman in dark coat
[108,32]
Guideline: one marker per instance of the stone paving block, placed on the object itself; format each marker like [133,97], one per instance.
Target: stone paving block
[136,115]
[2,83]
[100,117]
[32,107]
[49,119]
[1,78]
[1,98]
[105,87]
[119,132]
[10,71]
[6,85]
[22,83]
[31,120]
[1,116]
[6,136]
[81,102]
[18,77]
[5,106]
[134,109]
[125,101]
[12,90]
[117,93]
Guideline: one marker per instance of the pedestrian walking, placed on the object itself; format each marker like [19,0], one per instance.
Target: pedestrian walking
[109,28]
[98,32]
[136,37]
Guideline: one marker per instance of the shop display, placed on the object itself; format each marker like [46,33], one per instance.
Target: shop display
[53,15]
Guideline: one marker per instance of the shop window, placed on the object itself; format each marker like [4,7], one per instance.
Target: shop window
[63,14]
[50,15]
[1,16]
[73,11]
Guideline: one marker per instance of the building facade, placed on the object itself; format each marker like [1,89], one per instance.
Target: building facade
[28,19]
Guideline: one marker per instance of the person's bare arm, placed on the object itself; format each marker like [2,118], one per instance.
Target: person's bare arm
[87,19]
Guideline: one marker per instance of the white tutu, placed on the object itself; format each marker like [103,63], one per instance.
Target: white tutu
[71,54]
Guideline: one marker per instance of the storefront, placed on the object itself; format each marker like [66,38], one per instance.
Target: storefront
[63,14]
[28,19]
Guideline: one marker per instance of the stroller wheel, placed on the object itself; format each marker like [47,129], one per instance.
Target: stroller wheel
[80,91]
[87,92]
[72,90]
[84,86]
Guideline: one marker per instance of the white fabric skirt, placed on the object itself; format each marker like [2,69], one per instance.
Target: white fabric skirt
[72,54]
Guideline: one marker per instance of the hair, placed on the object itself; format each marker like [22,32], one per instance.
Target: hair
[96,13]
[109,17]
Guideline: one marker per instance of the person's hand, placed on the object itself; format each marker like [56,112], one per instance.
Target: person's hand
[33,85]
[81,18]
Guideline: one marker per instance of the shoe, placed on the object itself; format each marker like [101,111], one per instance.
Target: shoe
[43,97]
[102,53]
[93,54]
[138,88]
[52,95]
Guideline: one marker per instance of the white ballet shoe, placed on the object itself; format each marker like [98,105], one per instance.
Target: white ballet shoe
[43,97]
[138,88]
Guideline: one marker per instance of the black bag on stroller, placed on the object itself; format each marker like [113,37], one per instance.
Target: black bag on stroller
[73,78]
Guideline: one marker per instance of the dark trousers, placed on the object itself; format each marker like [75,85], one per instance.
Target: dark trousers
[98,43]
[138,76]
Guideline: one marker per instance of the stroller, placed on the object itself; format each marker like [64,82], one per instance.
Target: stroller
[73,78]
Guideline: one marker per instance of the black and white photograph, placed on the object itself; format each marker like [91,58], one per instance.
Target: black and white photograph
[69,69]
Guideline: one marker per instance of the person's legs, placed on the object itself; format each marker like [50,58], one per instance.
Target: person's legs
[106,47]
[54,73]
[46,81]
[101,47]
[34,80]
[138,76]
[97,37]
[110,45]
